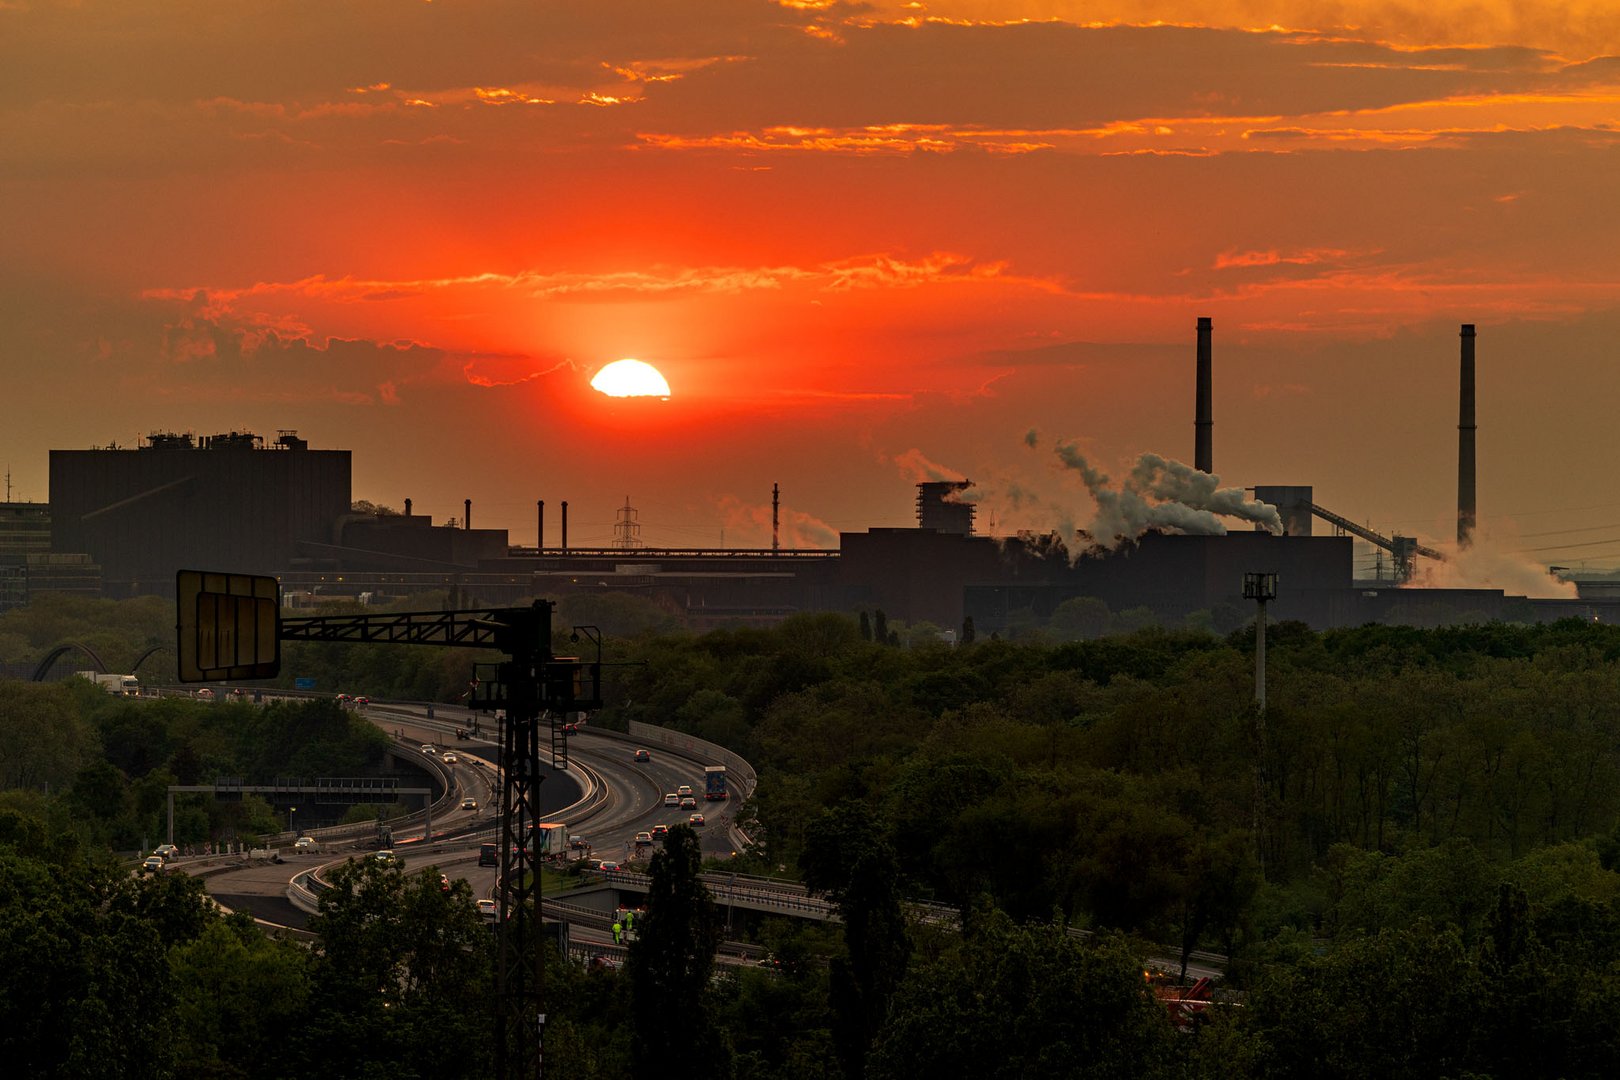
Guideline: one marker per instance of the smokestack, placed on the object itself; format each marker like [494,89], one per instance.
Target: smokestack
[565,527]
[1204,421]
[1466,507]
[540,526]
[407,508]
[776,504]
[466,516]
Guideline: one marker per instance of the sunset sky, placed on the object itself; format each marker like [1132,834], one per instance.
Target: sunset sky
[865,243]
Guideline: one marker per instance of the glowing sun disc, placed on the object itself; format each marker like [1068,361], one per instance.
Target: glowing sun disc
[630,378]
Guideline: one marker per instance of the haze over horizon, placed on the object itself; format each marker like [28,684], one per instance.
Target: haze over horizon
[864,243]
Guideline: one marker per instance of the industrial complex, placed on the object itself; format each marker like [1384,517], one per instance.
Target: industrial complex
[121,521]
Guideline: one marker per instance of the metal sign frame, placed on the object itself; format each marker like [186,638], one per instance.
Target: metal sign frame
[228,626]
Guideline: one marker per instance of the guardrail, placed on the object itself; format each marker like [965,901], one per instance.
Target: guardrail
[724,889]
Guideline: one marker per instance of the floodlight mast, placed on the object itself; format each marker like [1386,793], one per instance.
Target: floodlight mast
[532,685]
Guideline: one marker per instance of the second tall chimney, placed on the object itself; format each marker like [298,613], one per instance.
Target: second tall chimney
[565,526]
[1466,507]
[540,525]
[1204,418]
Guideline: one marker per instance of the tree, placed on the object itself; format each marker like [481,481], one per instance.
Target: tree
[1081,617]
[1401,1004]
[240,994]
[402,979]
[85,989]
[1012,1002]
[671,964]
[847,857]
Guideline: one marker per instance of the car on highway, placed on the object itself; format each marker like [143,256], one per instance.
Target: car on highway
[570,728]
[450,758]
[385,856]
[429,748]
[488,909]
[642,755]
[152,865]
[444,882]
[660,831]
[672,799]
[695,820]
[304,843]
[362,700]
[469,804]
[489,855]
[608,864]
[688,803]
[579,843]
[684,791]
[643,839]
[165,851]
[342,698]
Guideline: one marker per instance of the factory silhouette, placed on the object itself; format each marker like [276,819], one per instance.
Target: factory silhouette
[121,521]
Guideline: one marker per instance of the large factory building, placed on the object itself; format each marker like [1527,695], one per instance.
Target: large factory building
[226,502]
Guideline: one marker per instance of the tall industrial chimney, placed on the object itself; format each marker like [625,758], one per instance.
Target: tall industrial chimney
[776,503]
[540,526]
[466,516]
[565,527]
[1466,507]
[1204,423]
[407,508]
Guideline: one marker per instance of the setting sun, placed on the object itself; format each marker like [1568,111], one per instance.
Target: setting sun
[631,378]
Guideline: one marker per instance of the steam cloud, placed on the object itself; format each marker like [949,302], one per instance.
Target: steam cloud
[1162,494]
[918,469]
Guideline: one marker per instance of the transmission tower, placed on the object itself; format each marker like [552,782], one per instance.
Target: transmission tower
[627,531]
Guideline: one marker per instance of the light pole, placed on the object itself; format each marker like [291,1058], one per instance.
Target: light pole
[1260,586]
[292,820]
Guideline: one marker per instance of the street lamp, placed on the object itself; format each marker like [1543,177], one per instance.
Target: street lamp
[1260,586]
[292,820]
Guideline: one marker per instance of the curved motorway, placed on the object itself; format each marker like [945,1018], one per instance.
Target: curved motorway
[624,797]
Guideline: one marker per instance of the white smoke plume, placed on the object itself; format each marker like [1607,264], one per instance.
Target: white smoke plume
[749,524]
[1177,482]
[918,469]
[1161,494]
[1487,564]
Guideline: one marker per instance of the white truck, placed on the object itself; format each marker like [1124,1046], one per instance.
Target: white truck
[118,685]
[551,841]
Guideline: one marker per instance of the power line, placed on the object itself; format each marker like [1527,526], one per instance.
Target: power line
[1566,547]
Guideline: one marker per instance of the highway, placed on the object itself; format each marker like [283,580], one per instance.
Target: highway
[608,797]
[605,796]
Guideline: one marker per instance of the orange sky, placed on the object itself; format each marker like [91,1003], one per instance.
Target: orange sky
[860,240]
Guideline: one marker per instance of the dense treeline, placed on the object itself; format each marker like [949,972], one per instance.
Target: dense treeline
[1129,783]
[102,765]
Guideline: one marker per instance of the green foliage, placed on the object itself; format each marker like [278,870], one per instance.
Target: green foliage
[1018,1001]
[81,951]
[670,968]
[401,982]
[241,997]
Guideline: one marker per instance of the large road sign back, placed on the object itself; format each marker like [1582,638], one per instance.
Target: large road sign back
[228,626]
